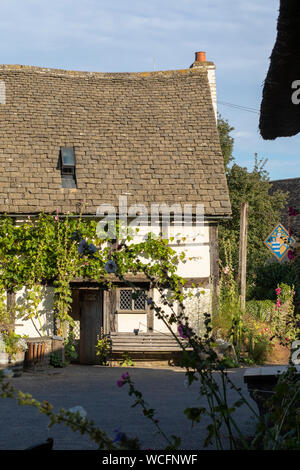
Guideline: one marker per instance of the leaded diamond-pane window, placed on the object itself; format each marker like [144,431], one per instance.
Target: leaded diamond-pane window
[131,301]
[125,299]
[140,301]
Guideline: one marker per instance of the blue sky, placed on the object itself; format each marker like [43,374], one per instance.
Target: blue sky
[139,35]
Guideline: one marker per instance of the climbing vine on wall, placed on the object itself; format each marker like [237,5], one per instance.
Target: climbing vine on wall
[55,249]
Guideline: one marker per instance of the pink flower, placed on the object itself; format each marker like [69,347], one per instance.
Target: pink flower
[278,290]
[278,303]
[56,217]
[293,211]
[123,379]
[287,339]
[226,270]
[267,329]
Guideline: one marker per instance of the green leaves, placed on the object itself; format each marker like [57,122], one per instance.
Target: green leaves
[194,414]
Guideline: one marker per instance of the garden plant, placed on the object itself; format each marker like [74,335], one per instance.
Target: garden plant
[68,247]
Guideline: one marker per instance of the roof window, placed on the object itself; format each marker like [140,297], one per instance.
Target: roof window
[68,167]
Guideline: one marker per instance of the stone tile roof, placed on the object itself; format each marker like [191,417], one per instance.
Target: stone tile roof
[151,136]
[292,186]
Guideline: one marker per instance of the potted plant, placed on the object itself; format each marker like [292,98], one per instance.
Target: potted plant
[102,348]
[12,351]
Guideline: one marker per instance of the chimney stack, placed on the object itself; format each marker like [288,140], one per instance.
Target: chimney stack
[201,62]
[200,56]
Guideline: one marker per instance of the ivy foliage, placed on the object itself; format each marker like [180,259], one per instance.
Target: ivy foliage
[54,250]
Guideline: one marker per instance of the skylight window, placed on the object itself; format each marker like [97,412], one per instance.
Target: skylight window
[68,167]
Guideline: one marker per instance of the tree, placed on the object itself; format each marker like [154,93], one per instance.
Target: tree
[264,208]
[226,140]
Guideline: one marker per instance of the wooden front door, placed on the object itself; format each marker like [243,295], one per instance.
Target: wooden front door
[91,321]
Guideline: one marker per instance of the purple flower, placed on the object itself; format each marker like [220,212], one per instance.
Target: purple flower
[181,332]
[82,247]
[110,266]
[123,379]
[119,435]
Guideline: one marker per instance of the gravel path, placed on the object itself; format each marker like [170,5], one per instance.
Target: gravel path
[95,389]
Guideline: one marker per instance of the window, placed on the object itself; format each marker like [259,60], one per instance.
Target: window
[67,167]
[130,301]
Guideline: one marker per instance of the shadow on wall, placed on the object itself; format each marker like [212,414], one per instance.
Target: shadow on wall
[31,327]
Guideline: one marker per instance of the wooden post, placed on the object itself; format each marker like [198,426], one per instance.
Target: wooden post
[214,266]
[243,253]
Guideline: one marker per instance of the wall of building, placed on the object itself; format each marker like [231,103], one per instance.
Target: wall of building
[195,266]
[32,327]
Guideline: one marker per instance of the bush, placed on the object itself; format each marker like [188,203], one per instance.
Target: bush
[273,274]
[102,348]
[262,310]
[71,348]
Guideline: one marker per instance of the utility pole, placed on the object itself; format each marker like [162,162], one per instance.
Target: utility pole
[243,253]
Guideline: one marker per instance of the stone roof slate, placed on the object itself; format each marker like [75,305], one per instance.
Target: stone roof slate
[151,136]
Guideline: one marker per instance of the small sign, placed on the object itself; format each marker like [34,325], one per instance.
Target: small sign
[279,242]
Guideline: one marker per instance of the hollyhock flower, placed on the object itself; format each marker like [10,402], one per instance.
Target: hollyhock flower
[110,266]
[92,248]
[278,303]
[181,332]
[278,290]
[292,211]
[56,217]
[82,246]
[119,435]
[123,379]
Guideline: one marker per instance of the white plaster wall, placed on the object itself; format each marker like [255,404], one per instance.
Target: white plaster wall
[195,245]
[127,322]
[196,306]
[196,248]
[32,327]
[158,324]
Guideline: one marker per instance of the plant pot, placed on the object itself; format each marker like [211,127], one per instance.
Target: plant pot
[17,363]
[279,354]
[4,360]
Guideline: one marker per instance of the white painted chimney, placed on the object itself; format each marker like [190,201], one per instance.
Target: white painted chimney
[200,61]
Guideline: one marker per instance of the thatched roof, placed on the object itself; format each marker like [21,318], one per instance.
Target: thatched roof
[151,136]
[279,117]
[292,186]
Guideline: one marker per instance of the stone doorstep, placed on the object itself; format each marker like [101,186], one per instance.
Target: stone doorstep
[265,372]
